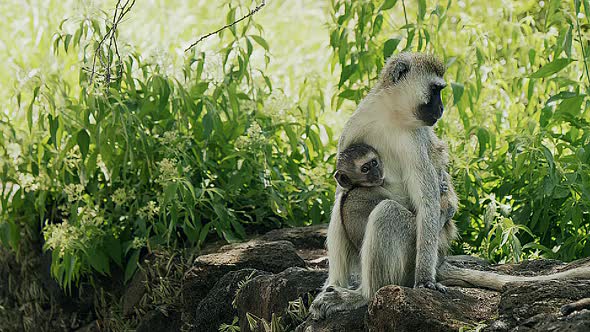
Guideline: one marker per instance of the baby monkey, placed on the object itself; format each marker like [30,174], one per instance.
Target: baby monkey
[359,172]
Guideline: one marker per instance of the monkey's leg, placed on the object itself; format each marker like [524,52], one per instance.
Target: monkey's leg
[389,248]
[387,257]
[341,254]
[342,259]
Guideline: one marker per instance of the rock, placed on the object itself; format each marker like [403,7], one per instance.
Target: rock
[346,321]
[310,237]
[309,241]
[217,307]
[91,327]
[535,306]
[319,263]
[157,321]
[208,269]
[266,295]
[576,322]
[134,292]
[396,308]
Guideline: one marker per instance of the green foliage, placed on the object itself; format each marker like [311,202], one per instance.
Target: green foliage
[217,146]
[154,160]
[515,115]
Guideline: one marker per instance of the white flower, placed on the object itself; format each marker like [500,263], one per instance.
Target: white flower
[150,211]
[167,170]
[14,151]
[122,196]
[74,192]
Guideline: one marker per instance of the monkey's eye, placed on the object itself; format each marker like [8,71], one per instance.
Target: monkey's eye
[374,163]
[365,169]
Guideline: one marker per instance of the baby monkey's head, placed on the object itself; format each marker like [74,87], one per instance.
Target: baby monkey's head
[359,166]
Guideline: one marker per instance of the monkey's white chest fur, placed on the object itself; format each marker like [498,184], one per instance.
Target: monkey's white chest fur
[394,146]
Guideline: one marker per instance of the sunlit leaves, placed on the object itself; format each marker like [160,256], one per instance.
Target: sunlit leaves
[551,68]
[83,140]
[389,46]
[261,41]
[388,4]
[458,90]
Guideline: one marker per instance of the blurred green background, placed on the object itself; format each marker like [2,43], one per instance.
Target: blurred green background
[238,135]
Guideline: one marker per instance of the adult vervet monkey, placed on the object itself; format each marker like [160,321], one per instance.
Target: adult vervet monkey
[395,119]
[404,234]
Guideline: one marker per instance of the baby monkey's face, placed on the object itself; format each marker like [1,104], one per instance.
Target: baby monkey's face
[359,166]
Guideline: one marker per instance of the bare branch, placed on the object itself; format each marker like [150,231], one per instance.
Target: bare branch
[105,59]
[252,12]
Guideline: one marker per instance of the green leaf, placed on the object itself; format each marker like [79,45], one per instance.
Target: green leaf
[170,191]
[377,24]
[387,4]
[99,261]
[421,9]
[83,140]
[562,95]
[347,71]
[571,105]
[67,41]
[389,47]
[457,92]
[260,41]
[30,109]
[548,156]
[208,124]
[483,137]
[131,265]
[349,94]
[551,68]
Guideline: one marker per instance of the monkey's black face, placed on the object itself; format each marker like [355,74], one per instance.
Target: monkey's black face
[430,112]
[371,173]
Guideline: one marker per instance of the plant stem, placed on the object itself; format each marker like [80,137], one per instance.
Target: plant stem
[582,44]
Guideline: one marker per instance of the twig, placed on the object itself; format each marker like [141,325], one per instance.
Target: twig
[405,14]
[582,45]
[120,12]
[252,12]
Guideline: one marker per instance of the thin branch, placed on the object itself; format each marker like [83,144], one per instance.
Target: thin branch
[110,35]
[582,45]
[252,12]
[405,14]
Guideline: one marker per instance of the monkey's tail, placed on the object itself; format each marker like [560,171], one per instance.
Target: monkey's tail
[454,275]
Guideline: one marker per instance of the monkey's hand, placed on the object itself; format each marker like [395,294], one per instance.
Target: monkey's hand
[432,285]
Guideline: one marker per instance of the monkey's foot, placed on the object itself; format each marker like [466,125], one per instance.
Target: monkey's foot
[432,285]
[335,299]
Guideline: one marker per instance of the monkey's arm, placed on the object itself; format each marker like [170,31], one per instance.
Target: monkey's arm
[448,198]
[424,190]
[448,207]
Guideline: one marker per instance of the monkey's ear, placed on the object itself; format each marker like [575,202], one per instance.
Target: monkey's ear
[400,69]
[343,180]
